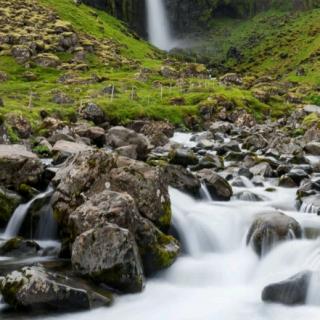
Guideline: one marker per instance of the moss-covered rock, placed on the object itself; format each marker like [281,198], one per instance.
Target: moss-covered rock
[9,201]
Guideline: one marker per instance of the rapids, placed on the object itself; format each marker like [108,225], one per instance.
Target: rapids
[218,276]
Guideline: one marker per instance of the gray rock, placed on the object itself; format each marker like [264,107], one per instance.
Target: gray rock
[293,291]
[218,187]
[109,255]
[120,137]
[269,228]
[183,156]
[313,148]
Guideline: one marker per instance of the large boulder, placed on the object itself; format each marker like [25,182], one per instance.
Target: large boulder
[39,290]
[102,208]
[120,137]
[148,187]
[19,166]
[83,175]
[269,228]
[293,291]
[63,149]
[218,187]
[109,255]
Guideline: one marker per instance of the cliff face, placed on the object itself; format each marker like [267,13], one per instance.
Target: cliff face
[191,15]
[131,11]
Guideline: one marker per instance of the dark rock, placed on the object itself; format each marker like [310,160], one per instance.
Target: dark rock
[218,187]
[9,201]
[183,157]
[92,112]
[293,291]
[270,228]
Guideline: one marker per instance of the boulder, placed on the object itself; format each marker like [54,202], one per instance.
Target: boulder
[221,127]
[120,137]
[248,196]
[40,290]
[270,228]
[20,248]
[183,156]
[313,148]
[102,208]
[180,178]
[218,187]
[20,125]
[129,151]
[109,255]
[47,60]
[293,291]
[92,112]
[19,166]
[148,187]
[262,169]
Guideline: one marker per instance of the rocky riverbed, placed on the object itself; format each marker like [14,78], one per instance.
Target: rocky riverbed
[111,218]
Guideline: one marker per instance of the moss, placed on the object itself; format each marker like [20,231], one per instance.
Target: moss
[165,219]
[311,120]
[43,151]
[8,203]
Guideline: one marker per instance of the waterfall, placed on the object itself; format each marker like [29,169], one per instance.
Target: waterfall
[158,25]
[20,214]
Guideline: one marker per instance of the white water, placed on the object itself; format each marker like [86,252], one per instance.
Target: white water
[158,25]
[20,214]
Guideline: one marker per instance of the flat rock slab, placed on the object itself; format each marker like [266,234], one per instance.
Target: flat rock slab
[70,147]
[15,151]
[311,108]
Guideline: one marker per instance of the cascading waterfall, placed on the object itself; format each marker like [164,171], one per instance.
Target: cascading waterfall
[20,214]
[158,25]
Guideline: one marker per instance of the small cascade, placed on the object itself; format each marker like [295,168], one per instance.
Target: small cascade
[204,192]
[47,227]
[20,214]
[313,297]
[158,25]
[309,208]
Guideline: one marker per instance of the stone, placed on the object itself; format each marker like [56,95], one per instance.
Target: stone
[120,137]
[255,142]
[92,112]
[270,228]
[47,60]
[218,187]
[263,169]
[147,185]
[40,290]
[109,255]
[180,178]
[19,248]
[313,148]
[19,166]
[221,127]
[183,156]
[129,151]
[20,125]
[292,291]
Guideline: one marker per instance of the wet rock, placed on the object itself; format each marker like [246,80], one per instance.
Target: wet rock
[40,290]
[258,181]
[19,166]
[218,187]
[297,175]
[248,196]
[182,179]
[9,201]
[293,291]
[245,172]
[230,146]
[287,182]
[20,248]
[92,112]
[109,255]
[270,228]
[262,169]
[183,156]
[120,137]
[147,185]
[313,148]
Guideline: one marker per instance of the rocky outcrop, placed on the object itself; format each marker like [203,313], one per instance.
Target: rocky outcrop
[109,255]
[19,166]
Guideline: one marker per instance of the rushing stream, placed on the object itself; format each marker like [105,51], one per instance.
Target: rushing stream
[219,276]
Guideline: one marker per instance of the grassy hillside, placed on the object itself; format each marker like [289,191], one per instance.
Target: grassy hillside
[64,55]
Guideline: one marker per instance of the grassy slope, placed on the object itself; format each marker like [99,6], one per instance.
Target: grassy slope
[149,101]
[274,42]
